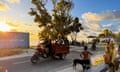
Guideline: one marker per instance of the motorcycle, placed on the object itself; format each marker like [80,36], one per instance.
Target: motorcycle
[58,51]
[40,51]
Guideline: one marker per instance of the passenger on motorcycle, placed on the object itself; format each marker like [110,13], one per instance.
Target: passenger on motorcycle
[61,40]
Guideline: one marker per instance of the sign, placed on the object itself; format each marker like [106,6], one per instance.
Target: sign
[97,59]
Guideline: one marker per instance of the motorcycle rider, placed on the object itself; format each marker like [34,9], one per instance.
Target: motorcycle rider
[48,46]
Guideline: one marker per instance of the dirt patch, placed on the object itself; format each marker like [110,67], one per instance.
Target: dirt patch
[10,51]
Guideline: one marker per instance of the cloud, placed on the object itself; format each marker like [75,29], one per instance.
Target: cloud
[108,15]
[13,1]
[85,33]
[107,26]
[92,22]
[111,15]
[4,7]
[93,25]
[92,16]
[112,27]
[32,29]
[23,27]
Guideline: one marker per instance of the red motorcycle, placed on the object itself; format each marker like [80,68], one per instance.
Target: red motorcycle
[57,51]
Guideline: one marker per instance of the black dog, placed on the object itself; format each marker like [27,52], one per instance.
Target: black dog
[77,61]
[85,63]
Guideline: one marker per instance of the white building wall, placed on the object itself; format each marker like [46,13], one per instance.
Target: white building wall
[14,40]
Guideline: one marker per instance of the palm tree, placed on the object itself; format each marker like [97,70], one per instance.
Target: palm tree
[76,27]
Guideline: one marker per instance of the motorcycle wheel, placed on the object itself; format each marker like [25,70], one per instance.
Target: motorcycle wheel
[34,59]
[62,56]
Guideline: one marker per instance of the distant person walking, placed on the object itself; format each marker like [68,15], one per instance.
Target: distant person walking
[93,47]
[83,43]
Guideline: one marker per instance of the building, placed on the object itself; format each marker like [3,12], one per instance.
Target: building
[14,40]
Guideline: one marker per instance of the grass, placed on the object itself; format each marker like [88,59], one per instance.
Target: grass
[10,51]
[33,46]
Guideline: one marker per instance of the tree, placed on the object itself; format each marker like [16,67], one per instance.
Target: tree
[118,36]
[106,32]
[76,27]
[101,35]
[59,22]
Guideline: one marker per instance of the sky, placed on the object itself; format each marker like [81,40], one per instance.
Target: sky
[94,15]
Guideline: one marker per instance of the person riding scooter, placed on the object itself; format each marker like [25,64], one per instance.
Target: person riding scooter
[48,46]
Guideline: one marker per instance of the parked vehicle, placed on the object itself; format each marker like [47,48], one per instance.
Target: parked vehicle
[57,51]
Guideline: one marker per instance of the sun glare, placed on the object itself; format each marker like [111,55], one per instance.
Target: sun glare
[4,27]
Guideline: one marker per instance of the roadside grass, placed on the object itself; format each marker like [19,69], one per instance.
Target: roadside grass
[33,46]
[11,51]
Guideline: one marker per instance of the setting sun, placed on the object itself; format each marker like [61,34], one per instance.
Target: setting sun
[4,27]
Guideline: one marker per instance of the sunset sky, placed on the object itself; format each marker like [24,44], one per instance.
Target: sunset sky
[95,15]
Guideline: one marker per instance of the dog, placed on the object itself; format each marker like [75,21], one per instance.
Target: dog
[77,61]
[82,63]
[78,68]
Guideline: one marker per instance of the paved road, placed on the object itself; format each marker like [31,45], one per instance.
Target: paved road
[45,65]
[23,64]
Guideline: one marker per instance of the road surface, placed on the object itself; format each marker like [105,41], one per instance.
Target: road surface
[23,64]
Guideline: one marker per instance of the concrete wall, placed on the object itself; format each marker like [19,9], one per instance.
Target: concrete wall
[14,40]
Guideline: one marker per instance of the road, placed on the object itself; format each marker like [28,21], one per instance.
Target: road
[45,65]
